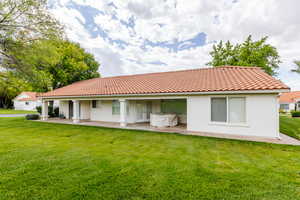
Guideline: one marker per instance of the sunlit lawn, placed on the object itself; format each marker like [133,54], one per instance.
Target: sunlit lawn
[11,111]
[55,161]
[290,126]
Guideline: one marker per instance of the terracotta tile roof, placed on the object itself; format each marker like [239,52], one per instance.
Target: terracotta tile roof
[227,78]
[31,96]
[289,97]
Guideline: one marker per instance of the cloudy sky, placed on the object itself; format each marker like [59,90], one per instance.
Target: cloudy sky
[140,36]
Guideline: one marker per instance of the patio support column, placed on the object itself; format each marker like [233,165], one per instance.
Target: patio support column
[44,110]
[76,117]
[123,113]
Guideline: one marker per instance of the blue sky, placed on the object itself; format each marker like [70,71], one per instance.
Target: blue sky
[135,36]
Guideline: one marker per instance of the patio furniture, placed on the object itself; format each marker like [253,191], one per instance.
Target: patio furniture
[163,120]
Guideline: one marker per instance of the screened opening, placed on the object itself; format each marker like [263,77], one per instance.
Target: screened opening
[176,106]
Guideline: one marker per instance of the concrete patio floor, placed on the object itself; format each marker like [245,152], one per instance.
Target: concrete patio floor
[181,129]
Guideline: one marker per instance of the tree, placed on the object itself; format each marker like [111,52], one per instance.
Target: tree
[297,70]
[51,64]
[249,53]
[75,64]
[11,86]
[25,21]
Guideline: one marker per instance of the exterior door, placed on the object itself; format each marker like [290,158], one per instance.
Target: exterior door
[70,109]
[143,110]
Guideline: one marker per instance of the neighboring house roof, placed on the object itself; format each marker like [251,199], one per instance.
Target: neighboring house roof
[289,97]
[27,96]
[227,78]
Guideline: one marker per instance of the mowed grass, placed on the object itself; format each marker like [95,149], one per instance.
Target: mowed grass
[11,111]
[290,126]
[55,161]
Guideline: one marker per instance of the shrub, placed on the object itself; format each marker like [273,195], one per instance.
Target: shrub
[295,113]
[62,116]
[32,116]
[39,109]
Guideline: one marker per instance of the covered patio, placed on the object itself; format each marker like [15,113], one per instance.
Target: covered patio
[170,114]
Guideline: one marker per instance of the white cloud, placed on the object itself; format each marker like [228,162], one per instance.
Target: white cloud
[159,21]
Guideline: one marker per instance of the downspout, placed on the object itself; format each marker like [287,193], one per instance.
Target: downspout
[277,116]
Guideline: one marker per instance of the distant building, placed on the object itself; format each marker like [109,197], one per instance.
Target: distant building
[290,101]
[27,101]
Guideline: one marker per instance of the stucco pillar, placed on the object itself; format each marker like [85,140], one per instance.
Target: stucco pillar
[76,117]
[44,110]
[123,114]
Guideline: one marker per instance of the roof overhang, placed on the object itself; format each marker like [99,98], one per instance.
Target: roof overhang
[277,91]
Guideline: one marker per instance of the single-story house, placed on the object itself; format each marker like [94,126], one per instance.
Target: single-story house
[29,101]
[290,101]
[26,101]
[228,100]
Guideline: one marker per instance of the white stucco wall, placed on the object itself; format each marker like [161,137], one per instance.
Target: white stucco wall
[104,112]
[21,105]
[262,118]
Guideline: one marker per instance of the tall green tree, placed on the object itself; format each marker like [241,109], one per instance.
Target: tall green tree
[249,53]
[51,64]
[25,21]
[11,86]
[297,70]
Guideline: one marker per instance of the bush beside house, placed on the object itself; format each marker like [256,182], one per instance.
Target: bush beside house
[295,113]
[32,117]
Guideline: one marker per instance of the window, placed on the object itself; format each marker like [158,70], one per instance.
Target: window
[115,107]
[284,106]
[228,109]
[26,103]
[94,103]
[218,110]
[237,110]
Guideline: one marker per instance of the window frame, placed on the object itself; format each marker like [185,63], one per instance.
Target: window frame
[112,107]
[227,111]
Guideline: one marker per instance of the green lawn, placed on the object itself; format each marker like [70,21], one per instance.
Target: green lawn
[11,111]
[290,126]
[55,161]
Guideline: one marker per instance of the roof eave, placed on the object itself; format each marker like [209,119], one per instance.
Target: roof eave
[174,94]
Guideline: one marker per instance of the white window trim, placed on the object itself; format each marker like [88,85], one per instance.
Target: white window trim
[112,108]
[227,123]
